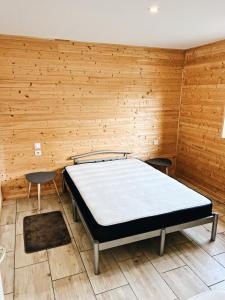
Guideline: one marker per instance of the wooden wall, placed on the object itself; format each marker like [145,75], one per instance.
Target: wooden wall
[201,150]
[76,97]
[1,200]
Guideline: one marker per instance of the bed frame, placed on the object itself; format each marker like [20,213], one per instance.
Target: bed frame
[99,246]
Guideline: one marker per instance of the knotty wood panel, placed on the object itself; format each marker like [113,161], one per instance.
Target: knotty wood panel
[77,97]
[1,199]
[201,149]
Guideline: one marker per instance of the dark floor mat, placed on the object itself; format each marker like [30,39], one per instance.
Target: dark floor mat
[44,231]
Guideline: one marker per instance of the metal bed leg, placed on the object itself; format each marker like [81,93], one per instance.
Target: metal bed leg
[63,183]
[75,214]
[162,242]
[75,211]
[96,257]
[214,227]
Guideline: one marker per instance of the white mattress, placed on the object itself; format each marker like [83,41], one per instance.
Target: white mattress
[125,190]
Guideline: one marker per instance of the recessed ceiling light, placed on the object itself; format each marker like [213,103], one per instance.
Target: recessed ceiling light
[154,9]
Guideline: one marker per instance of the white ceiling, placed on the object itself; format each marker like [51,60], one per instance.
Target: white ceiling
[179,23]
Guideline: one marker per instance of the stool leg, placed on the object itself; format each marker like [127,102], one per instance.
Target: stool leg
[56,190]
[162,242]
[39,196]
[214,227]
[29,187]
[167,171]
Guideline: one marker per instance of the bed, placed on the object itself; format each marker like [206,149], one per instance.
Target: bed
[121,200]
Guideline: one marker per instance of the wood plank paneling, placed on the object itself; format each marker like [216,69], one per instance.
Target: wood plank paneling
[75,97]
[200,155]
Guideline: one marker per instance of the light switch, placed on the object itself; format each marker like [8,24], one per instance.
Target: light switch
[37,146]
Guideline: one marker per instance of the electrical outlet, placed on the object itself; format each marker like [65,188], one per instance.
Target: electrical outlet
[37,152]
[155,142]
[37,146]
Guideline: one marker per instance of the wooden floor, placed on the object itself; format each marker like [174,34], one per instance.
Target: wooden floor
[190,265]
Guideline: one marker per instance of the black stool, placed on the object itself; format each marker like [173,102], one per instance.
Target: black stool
[160,162]
[39,178]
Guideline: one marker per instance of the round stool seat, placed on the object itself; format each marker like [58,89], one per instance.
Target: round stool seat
[40,177]
[210,295]
[161,162]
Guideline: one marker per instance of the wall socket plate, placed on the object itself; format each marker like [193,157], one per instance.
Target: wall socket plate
[37,152]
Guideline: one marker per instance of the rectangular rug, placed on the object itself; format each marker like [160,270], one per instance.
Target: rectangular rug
[44,231]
